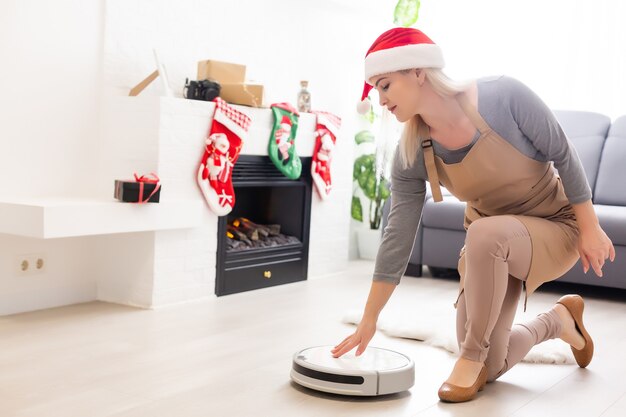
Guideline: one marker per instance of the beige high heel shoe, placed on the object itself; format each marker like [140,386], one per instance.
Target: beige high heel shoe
[454,394]
[575,305]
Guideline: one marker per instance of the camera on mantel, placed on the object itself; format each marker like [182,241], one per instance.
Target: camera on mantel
[205,90]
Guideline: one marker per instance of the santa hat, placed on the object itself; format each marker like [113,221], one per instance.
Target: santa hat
[398,49]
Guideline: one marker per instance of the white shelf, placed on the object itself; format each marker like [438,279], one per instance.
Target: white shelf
[71,217]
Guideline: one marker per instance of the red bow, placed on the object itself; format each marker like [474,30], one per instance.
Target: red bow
[145,179]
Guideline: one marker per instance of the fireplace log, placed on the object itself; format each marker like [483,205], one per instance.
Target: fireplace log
[274,229]
[252,233]
[262,230]
[239,235]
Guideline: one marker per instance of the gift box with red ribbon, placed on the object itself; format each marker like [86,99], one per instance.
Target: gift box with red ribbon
[144,189]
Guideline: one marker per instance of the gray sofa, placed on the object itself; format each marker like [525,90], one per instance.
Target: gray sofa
[601,147]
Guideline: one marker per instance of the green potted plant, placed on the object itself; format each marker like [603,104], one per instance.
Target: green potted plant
[373,185]
[370,184]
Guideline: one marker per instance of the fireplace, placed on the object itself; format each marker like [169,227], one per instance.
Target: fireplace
[264,241]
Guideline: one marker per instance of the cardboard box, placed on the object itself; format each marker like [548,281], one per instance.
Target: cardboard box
[222,72]
[244,94]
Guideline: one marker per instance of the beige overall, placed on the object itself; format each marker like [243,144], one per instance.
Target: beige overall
[496,179]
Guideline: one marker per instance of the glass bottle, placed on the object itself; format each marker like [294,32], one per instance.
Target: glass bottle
[304,98]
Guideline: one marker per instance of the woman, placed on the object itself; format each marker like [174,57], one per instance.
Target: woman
[490,142]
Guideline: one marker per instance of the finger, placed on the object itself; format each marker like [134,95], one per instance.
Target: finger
[343,340]
[612,252]
[361,348]
[585,262]
[343,344]
[599,258]
[346,339]
[340,345]
[347,348]
[596,267]
[364,342]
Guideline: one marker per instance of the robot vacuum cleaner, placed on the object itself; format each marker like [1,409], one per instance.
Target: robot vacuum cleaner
[375,372]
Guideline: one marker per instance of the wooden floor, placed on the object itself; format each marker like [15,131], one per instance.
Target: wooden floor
[232,356]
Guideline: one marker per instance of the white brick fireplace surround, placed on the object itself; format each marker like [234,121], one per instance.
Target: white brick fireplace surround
[155,254]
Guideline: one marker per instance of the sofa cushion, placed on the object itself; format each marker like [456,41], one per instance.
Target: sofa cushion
[447,214]
[613,222]
[587,132]
[611,185]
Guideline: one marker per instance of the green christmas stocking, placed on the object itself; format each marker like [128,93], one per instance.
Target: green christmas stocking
[282,148]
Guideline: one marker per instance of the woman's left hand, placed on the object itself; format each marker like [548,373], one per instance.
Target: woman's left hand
[595,247]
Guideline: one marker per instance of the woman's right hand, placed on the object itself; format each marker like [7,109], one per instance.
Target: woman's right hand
[361,337]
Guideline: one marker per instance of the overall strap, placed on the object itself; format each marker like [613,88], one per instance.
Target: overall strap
[427,144]
[431,169]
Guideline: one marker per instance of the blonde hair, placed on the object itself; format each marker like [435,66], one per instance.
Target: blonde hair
[415,129]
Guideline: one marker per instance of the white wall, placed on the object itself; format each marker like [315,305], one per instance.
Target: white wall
[51,60]
[49,94]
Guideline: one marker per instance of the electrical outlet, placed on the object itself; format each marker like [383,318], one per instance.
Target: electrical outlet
[39,263]
[22,265]
[29,264]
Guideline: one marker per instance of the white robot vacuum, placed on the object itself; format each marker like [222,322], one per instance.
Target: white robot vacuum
[375,372]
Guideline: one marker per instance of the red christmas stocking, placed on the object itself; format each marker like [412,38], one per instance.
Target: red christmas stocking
[326,132]
[222,149]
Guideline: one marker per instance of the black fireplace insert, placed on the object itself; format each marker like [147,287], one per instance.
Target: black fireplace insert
[264,241]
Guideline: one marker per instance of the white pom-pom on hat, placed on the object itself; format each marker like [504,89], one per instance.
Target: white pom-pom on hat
[363,106]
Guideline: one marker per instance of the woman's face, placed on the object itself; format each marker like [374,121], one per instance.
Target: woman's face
[400,92]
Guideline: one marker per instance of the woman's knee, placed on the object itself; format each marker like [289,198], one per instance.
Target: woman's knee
[492,233]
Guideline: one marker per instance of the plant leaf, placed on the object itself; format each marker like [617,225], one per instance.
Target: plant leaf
[383,189]
[370,185]
[364,136]
[364,173]
[356,209]
[406,12]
